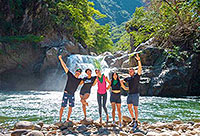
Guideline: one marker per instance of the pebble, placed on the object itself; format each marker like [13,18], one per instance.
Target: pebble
[89,127]
[177,122]
[126,119]
[35,133]
[19,132]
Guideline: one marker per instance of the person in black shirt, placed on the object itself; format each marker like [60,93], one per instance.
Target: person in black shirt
[133,94]
[70,88]
[115,98]
[85,90]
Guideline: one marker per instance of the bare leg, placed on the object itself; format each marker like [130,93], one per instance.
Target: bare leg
[130,109]
[113,111]
[69,113]
[136,112]
[61,112]
[83,106]
[85,97]
[119,112]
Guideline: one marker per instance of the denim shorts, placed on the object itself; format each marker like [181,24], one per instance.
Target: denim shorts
[68,97]
[133,99]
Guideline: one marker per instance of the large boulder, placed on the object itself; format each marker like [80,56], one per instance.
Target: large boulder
[24,125]
[164,75]
[117,62]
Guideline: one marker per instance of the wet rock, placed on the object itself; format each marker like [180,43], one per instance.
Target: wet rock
[174,133]
[53,127]
[152,134]
[122,133]
[82,128]
[151,127]
[24,125]
[165,134]
[35,133]
[191,122]
[126,119]
[52,133]
[184,127]
[69,124]
[196,125]
[177,122]
[37,127]
[138,134]
[117,62]
[103,131]
[19,132]
[93,54]
[86,122]
[119,54]
[41,124]
[59,124]
[125,64]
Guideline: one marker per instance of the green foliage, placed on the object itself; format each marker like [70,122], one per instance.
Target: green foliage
[97,64]
[26,21]
[26,38]
[166,21]
[99,38]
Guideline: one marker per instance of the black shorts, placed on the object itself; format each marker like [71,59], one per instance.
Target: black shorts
[115,97]
[83,92]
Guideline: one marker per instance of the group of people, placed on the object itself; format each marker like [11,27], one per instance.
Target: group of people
[104,84]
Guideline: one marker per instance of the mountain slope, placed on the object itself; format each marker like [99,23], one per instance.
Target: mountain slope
[117,11]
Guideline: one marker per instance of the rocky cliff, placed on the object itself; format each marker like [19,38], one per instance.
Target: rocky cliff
[162,75]
[25,66]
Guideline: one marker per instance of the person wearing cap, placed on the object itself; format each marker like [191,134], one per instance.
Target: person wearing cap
[133,94]
[102,92]
[86,88]
[70,88]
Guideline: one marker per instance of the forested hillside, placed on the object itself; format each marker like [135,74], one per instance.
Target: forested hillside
[117,11]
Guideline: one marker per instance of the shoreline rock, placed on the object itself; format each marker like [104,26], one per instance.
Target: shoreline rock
[90,127]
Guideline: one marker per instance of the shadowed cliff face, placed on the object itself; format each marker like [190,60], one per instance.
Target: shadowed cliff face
[36,67]
[162,75]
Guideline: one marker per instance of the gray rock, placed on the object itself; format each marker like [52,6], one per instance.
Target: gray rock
[82,128]
[152,134]
[86,122]
[117,62]
[41,124]
[37,127]
[138,134]
[19,132]
[35,133]
[126,119]
[118,54]
[122,133]
[197,125]
[125,64]
[24,125]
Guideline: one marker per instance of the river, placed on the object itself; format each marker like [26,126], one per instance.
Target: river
[35,106]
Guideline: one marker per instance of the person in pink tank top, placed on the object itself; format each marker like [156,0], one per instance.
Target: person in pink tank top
[102,92]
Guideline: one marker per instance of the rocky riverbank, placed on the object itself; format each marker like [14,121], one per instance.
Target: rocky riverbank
[90,127]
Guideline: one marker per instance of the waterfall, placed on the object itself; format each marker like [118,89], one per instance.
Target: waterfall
[86,61]
[55,79]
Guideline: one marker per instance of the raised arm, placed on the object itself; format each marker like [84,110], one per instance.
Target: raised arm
[139,64]
[63,64]
[123,86]
[108,83]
